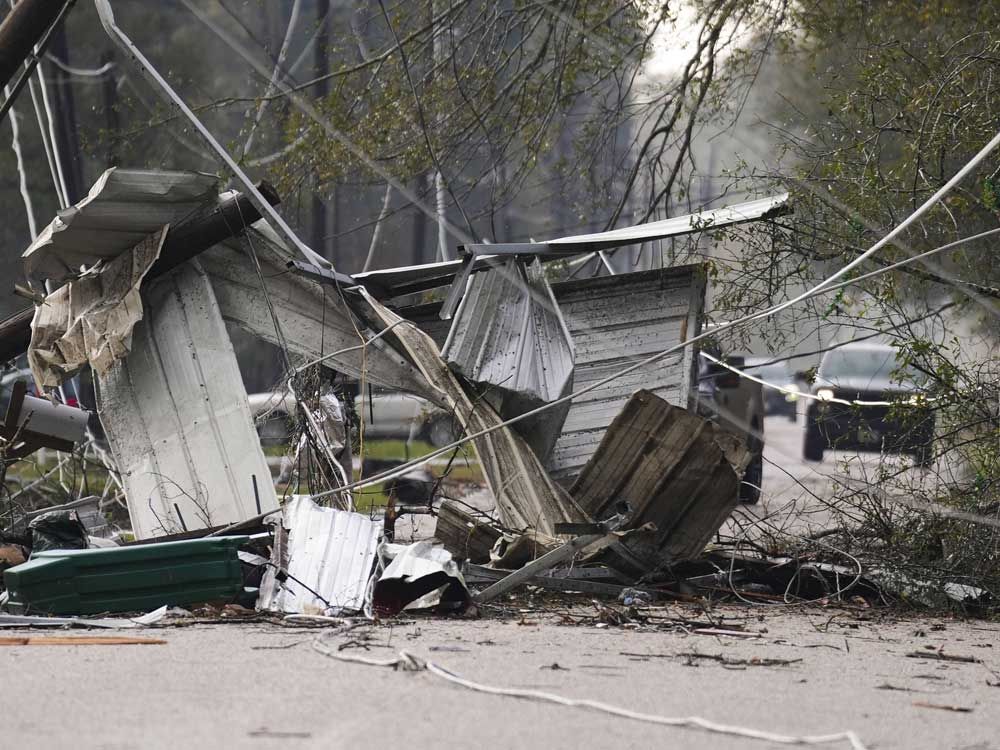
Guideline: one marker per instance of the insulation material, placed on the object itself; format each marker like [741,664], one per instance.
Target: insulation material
[670,467]
[177,417]
[509,338]
[90,320]
[122,208]
[319,551]
[313,320]
[526,497]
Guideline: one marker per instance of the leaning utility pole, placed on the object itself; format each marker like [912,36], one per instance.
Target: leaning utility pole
[22,29]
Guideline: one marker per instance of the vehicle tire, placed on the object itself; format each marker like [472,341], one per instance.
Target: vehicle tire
[752,478]
[439,432]
[814,445]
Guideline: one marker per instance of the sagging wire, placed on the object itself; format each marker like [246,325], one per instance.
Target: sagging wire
[282,54]
[107,17]
[44,136]
[53,142]
[821,288]
[796,392]
[307,108]
[81,72]
[407,661]
[21,172]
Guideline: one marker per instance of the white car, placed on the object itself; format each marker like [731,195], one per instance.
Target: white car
[387,416]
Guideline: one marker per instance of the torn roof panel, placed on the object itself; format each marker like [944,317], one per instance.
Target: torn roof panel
[122,208]
[329,551]
[313,321]
[407,279]
[509,333]
[700,221]
[673,471]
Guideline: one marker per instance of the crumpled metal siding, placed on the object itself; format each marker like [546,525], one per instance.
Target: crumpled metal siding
[122,208]
[615,321]
[330,551]
[509,333]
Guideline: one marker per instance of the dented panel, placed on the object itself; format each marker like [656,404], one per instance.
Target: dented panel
[177,416]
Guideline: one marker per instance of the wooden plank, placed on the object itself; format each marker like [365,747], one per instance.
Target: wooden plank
[84,640]
[463,535]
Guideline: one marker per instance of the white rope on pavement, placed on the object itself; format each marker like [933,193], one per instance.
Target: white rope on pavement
[408,662]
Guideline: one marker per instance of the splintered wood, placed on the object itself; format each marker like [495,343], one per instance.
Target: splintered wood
[671,467]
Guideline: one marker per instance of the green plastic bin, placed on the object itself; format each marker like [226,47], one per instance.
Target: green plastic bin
[126,579]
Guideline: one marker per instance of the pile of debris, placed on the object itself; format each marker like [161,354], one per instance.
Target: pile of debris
[615,488]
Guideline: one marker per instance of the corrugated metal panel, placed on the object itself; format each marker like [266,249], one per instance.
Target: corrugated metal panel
[177,416]
[508,334]
[614,321]
[122,208]
[330,551]
[313,321]
[671,467]
[525,495]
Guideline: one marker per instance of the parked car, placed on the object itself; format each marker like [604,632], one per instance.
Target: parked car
[387,416]
[776,373]
[736,404]
[402,416]
[867,372]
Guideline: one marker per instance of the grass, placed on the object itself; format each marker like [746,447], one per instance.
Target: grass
[367,499]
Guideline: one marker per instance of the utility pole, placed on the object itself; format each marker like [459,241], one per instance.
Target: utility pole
[438,55]
[67,130]
[21,30]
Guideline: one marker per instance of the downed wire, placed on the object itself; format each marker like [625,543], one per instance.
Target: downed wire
[821,288]
[408,662]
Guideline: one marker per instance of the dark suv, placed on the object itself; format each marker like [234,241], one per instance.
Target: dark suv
[866,401]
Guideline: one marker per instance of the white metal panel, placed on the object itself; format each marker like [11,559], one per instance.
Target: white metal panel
[313,319]
[332,552]
[508,333]
[177,416]
[701,221]
[122,208]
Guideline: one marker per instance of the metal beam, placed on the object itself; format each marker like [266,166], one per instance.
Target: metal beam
[183,243]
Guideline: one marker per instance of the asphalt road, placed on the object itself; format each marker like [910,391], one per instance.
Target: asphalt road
[796,491]
[264,687]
